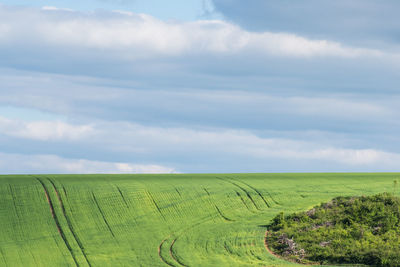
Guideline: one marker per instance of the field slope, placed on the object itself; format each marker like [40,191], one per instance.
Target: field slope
[158,220]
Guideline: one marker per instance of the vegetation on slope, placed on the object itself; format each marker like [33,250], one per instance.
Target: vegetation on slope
[158,220]
[346,230]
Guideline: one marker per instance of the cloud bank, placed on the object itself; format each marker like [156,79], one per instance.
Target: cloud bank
[136,36]
[37,164]
[115,91]
[119,140]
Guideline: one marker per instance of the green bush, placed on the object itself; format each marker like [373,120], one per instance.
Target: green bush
[346,230]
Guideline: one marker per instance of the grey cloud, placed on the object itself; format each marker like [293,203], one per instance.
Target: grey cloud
[80,97]
[364,22]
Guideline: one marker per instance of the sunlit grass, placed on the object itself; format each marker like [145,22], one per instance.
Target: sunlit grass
[158,220]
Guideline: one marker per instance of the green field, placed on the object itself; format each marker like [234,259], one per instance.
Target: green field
[158,220]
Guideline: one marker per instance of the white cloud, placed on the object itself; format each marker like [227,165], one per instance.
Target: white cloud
[140,35]
[308,151]
[53,8]
[29,164]
[203,145]
[237,143]
[135,138]
[44,130]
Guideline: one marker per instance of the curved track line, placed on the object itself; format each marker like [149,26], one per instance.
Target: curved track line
[255,190]
[216,207]
[258,192]
[69,223]
[171,252]
[161,256]
[228,249]
[55,218]
[244,202]
[183,231]
[222,215]
[244,190]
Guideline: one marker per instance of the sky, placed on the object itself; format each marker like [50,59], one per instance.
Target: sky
[213,86]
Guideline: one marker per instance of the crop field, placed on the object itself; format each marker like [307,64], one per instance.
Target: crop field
[158,220]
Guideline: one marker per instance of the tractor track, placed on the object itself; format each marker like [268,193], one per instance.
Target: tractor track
[171,252]
[255,190]
[57,222]
[155,204]
[13,198]
[122,196]
[243,189]
[222,215]
[160,254]
[3,257]
[174,241]
[258,192]
[102,215]
[244,202]
[179,193]
[69,223]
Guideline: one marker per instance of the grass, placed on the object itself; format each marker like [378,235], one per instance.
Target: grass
[159,220]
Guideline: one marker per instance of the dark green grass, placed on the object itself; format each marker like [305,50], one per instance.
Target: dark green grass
[158,220]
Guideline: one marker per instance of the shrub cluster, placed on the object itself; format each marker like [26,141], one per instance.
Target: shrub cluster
[346,230]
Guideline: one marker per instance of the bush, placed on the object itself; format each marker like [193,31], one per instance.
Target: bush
[346,230]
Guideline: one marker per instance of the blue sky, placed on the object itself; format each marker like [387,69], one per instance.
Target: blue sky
[199,86]
[174,9]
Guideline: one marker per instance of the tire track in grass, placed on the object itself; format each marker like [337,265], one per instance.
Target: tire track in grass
[258,192]
[173,255]
[65,191]
[255,190]
[179,193]
[190,228]
[3,257]
[216,207]
[208,193]
[122,196]
[222,215]
[183,231]
[69,223]
[206,246]
[56,220]
[102,214]
[228,249]
[255,256]
[236,182]
[244,202]
[13,198]
[243,189]
[160,253]
[155,204]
